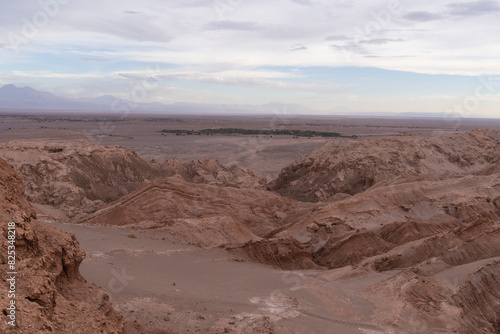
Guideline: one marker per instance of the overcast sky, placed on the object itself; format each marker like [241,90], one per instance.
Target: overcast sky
[345,56]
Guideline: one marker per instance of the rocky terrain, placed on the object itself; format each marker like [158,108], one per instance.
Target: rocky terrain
[51,295]
[211,216]
[210,171]
[161,202]
[422,207]
[396,235]
[350,166]
[76,178]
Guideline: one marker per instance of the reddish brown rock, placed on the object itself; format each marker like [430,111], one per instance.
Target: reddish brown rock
[50,294]
[78,178]
[351,167]
[173,198]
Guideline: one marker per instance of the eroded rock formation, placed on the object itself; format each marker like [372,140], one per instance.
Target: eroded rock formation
[349,166]
[50,294]
[421,213]
[79,178]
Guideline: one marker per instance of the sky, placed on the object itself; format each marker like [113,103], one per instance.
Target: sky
[337,56]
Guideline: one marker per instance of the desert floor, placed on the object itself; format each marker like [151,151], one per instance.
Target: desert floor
[263,154]
[184,288]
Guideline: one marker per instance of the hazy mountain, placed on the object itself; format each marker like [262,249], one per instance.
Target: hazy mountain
[267,109]
[26,98]
[110,102]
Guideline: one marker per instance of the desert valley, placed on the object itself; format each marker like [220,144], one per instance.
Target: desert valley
[250,167]
[147,224]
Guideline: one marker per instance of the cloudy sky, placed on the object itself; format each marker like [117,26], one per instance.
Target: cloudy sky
[335,56]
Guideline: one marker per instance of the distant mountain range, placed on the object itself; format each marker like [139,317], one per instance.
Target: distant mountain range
[27,98]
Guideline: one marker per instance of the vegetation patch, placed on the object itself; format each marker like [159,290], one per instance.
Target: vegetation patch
[251,132]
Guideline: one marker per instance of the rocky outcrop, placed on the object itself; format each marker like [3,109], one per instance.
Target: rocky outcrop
[424,211]
[77,177]
[441,299]
[211,216]
[50,294]
[281,253]
[209,232]
[435,202]
[351,249]
[172,198]
[210,171]
[478,299]
[351,167]
[402,225]
[80,178]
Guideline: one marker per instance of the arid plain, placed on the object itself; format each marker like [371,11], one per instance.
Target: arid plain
[265,155]
[394,231]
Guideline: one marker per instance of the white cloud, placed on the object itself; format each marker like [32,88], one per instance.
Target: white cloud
[231,25]
[258,33]
[95,44]
[54,75]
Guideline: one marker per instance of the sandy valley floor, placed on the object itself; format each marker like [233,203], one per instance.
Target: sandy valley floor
[186,288]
